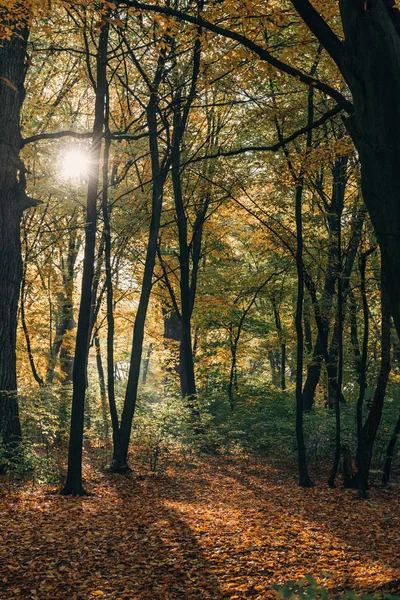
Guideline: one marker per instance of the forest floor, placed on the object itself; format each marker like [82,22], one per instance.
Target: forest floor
[212,529]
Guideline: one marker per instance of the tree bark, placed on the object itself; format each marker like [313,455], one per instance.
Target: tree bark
[13,200]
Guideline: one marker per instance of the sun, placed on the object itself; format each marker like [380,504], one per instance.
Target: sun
[75,164]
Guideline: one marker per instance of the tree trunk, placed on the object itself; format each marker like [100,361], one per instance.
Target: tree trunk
[339,374]
[282,355]
[66,321]
[147,363]
[304,479]
[367,434]
[120,457]
[106,210]
[389,454]
[334,211]
[172,332]
[73,483]
[13,201]
[180,118]
[372,35]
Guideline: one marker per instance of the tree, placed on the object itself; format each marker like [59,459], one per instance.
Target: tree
[368,59]
[13,201]
[73,483]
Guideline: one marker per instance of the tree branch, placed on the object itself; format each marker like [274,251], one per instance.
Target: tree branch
[274,147]
[320,28]
[263,53]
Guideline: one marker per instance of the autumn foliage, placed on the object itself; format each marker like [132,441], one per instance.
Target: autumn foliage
[205,529]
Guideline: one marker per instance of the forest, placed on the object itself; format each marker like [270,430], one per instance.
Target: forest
[199,299]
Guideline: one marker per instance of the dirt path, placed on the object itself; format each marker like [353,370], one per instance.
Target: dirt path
[214,530]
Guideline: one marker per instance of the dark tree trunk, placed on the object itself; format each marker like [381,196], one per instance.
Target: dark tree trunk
[233,342]
[13,201]
[389,454]
[368,432]
[73,483]
[187,291]
[348,475]
[339,375]
[354,335]
[282,355]
[308,341]
[120,457]
[304,478]
[31,358]
[106,210]
[334,211]
[172,337]
[362,373]
[102,381]
[372,33]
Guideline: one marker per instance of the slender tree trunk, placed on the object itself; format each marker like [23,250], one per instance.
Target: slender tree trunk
[66,322]
[334,211]
[120,458]
[282,355]
[339,377]
[147,363]
[304,479]
[110,292]
[180,118]
[172,332]
[307,326]
[100,369]
[31,358]
[368,432]
[73,483]
[389,454]
[233,347]
[364,350]
[354,334]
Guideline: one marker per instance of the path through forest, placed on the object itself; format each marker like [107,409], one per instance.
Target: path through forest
[211,530]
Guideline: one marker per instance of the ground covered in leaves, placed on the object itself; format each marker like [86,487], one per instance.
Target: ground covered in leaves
[213,529]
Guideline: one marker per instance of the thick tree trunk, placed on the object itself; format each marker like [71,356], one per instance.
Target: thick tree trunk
[73,483]
[372,35]
[13,201]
